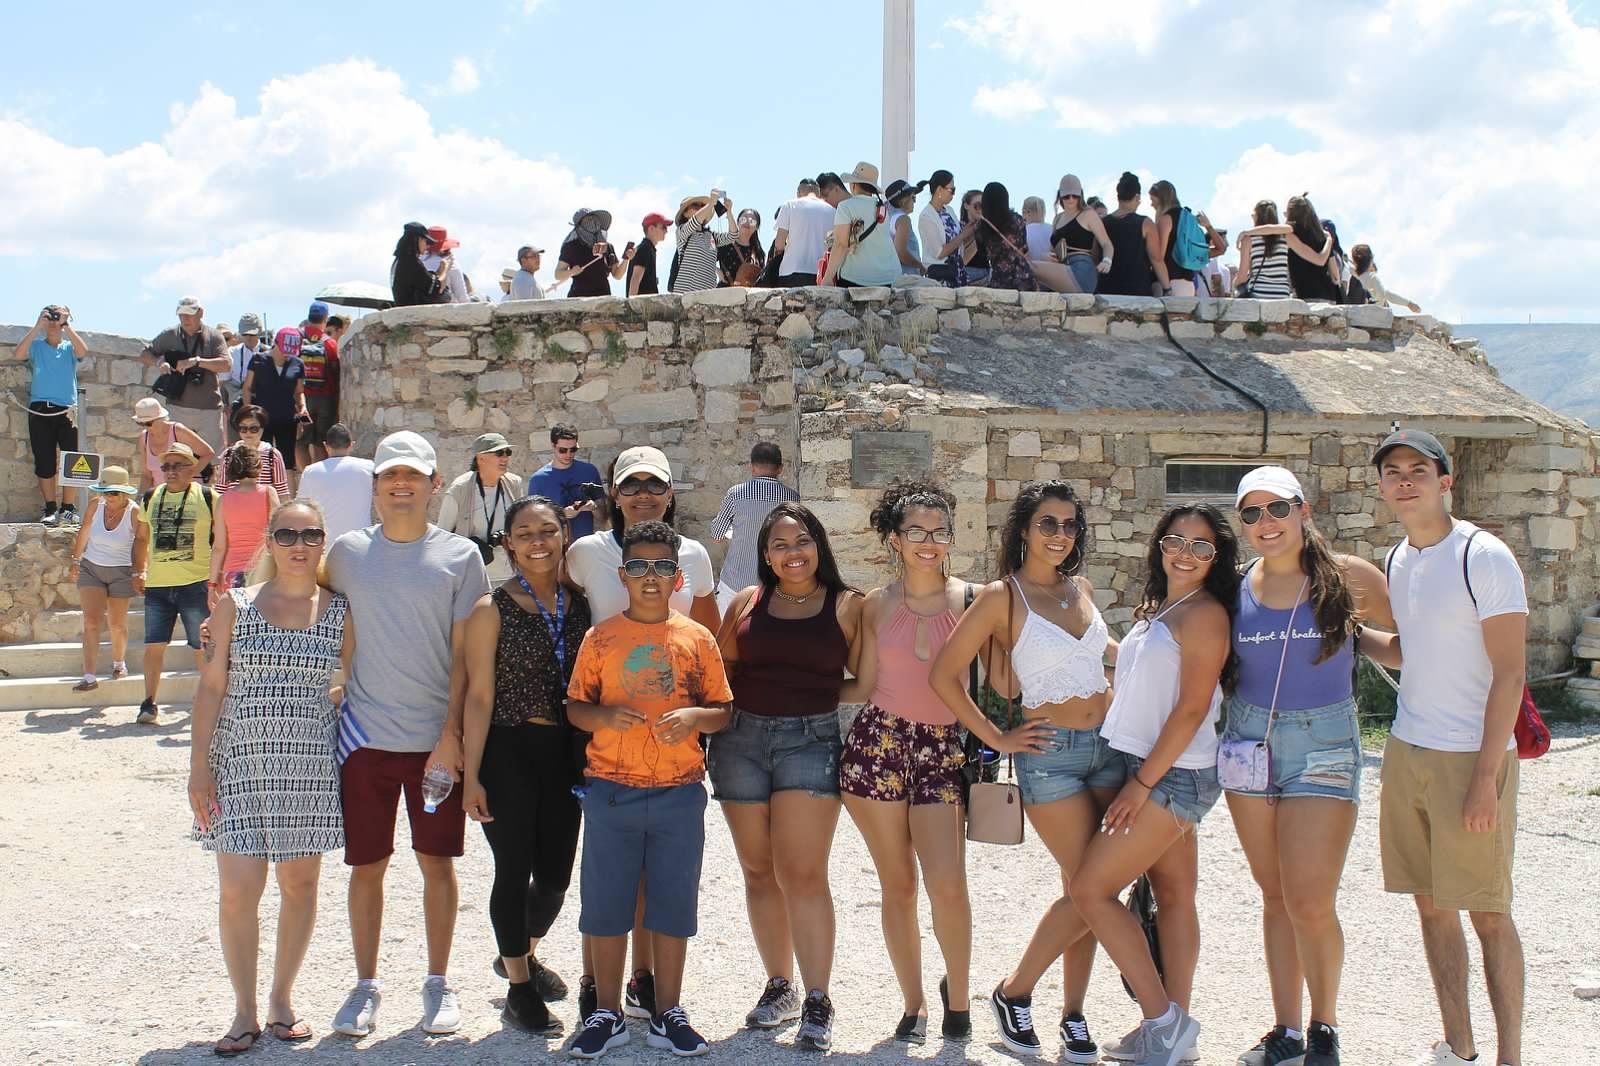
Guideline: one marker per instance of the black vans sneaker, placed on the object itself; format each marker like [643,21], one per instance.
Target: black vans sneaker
[1081,1047]
[816,1022]
[1014,1015]
[1322,1045]
[672,1030]
[602,1031]
[640,999]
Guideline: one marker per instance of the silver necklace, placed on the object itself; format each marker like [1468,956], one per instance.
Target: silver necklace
[798,601]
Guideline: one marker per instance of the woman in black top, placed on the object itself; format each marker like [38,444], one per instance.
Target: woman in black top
[974,252]
[410,281]
[745,249]
[1309,271]
[521,753]
[587,256]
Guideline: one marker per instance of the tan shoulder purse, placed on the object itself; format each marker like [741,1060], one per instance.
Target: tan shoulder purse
[994,808]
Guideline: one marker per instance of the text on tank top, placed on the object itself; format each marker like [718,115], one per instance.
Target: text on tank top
[1258,634]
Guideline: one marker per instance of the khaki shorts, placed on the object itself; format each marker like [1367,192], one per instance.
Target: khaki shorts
[1426,849]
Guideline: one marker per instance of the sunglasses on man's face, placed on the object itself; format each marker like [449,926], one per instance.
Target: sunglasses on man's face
[1278,509]
[635,485]
[311,537]
[1173,544]
[567,451]
[641,567]
[502,453]
[172,468]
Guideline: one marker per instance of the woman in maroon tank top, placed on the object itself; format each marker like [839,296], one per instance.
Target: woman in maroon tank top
[775,768]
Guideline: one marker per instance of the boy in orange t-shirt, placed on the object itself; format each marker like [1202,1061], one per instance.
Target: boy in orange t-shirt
[647,684]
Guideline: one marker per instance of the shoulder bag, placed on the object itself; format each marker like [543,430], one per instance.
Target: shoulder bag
[994,808]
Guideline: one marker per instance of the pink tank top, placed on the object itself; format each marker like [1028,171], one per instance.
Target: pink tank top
[902,684]
[152,459]
[247,514]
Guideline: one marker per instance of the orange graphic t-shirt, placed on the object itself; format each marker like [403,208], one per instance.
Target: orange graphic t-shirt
[653,668]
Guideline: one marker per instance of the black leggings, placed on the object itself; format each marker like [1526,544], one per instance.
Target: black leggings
[527,774]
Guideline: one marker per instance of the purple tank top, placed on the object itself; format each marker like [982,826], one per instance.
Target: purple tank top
[1258,634]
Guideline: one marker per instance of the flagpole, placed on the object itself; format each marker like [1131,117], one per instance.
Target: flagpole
[899,89]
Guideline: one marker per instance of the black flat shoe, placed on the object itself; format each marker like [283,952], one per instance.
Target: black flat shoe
[913,1029]
[956,1024]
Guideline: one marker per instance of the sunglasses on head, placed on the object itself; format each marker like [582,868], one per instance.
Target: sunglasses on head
[567,451]
[641,567]
[1278,509]
[1051,526]
[311,536]
[168,468]
[1173,544]
[634,485]
[918,535]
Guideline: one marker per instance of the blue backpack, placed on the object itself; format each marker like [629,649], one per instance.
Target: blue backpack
[1190,249]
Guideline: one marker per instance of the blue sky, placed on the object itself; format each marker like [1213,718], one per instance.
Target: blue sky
[249,155]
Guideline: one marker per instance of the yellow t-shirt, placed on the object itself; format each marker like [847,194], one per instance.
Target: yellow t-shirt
[180,537]
[653,668]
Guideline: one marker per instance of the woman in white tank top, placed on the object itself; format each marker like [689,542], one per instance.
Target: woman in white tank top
[1171,668]
[112,539]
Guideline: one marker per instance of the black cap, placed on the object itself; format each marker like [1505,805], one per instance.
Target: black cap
[1417,440]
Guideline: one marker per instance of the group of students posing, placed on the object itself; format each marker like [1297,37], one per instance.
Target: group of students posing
[585,691]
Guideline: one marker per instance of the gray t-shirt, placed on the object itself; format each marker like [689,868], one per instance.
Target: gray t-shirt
[404,597]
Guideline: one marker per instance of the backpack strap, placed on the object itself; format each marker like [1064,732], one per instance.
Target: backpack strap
[1388,562]
[1466,553]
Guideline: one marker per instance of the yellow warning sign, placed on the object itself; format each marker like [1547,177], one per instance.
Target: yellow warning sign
[81,467]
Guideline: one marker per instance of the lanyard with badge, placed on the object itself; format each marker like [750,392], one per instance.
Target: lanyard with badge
[556,625]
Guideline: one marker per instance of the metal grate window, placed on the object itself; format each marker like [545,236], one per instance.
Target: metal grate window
[1207,478]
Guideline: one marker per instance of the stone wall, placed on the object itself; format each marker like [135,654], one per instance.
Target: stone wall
[33,580]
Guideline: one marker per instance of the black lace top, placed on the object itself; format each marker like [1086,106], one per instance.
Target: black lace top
[529,684]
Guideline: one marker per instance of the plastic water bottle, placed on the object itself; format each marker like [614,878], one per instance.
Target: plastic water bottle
[436,785]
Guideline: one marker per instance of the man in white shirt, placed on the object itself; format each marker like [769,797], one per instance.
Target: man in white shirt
[1448,817]
[341,484]
[803,227]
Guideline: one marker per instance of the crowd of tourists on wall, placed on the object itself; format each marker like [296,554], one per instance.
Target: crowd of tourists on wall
[853,229]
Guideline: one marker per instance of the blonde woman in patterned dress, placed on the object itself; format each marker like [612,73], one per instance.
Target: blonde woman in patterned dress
[263,776]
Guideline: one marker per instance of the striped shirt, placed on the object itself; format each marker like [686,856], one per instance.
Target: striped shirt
[698,267]
[744,508]
[1269,271]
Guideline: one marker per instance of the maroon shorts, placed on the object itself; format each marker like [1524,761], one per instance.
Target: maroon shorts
[371,781]
[895,760]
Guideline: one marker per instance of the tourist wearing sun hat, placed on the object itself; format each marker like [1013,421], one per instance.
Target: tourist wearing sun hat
[587,256]
[694,264]
[863,250]
[178,572]
[159,430]
[475,504]
[113,543]
[440,260]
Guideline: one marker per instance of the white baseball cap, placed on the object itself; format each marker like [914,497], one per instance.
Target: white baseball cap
[405,448]
[1274,479]
[642,460]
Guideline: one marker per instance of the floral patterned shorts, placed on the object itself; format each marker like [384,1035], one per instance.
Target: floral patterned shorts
[890,758]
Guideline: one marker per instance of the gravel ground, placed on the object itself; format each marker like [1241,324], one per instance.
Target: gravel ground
[108,945]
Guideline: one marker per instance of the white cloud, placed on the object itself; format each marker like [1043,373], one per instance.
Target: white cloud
[307,210]
[463,77]
[1452,135]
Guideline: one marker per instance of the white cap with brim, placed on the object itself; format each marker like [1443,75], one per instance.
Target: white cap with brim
[642,460]
[1272,479]
[405,448]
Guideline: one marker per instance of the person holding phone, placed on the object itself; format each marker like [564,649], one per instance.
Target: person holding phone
[587,257]
[696,266]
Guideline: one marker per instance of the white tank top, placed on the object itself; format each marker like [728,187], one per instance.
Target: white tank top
[111,547]
[1149,665]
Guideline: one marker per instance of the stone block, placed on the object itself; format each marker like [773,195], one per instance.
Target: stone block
[1585,488]
[635,339]
[1033,303]
[722,407]
[462,416]
[1190,330]
[853,357]
[1087,323]
[1241,311]
[660,334]
[453,347]
[1546,457]
[1554,534]
[552,371]
[463,316]
[869,294]
[591,391]
[796,327]
[672,405]
[1281,310]
[722,366]
[1369,316]
[778,395]
[500,381]
[410,389]
[1080,302]
[957,321]
[1357,336]
[126,372]
[1544,481]
[1180,305]
[928,296]
[570,341]
[1025,443]
[834,320]
[457,366]
[1234,332]
[715,298]
[1130,305]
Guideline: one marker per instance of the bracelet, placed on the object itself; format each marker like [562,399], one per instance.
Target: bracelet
[1142,785]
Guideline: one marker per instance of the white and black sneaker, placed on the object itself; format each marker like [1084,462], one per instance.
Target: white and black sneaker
[639,998]
[50,516]
[816,1022]
[68,516]
[779,1003]
[671,1030]
[1014,1015]
[1081,1047]
[602,1031]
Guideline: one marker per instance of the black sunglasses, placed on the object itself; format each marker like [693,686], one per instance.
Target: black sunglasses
[167,468]
[1278,509]
[653,485]
[311,537]
[249,427]
[504,453]
[567,451]
[641,567]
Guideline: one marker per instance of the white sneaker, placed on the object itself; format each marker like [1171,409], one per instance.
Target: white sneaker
[1441,1054]
[360,1010]
[1128,1049]
[441,1013]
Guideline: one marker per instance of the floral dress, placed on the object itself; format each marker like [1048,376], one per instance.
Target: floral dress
[1008,255]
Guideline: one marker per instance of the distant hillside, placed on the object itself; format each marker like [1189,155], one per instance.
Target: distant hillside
[1557,365]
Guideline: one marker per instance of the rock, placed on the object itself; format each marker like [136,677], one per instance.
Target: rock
[660,334]
[1034,303]
[722,366]
[571,341]
[1281,310]
[904,366]
[722,407]
[837,321]
[500,381]
[874,375]
[547,372]
[715,298]
[459,315]
[1241,311]
[936,297]
[957,321]
[869,293]
[457,366]
[853,357]
[672,405]
[451,348]
[591,391]
[796,327]
[1024,444]
[463,417]
[1369,316]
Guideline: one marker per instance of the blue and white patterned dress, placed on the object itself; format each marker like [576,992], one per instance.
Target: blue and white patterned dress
[273,751]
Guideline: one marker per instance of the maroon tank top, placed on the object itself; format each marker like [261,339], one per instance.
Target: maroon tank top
[789,667]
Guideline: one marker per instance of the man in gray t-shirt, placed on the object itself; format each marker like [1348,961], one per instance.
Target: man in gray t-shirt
[199,353]
[411,586]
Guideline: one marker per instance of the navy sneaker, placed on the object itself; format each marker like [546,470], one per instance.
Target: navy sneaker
[602,1031]
[672,1030]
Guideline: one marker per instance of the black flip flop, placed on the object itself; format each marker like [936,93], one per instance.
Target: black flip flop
[233,1038]
[279,1029]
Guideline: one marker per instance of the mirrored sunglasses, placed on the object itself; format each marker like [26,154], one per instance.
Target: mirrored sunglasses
[1173,544]
[641,567]
[1278,509]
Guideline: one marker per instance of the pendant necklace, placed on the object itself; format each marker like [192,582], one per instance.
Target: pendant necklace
[798,601]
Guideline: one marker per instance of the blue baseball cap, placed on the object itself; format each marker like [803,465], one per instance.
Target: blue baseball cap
[318,310]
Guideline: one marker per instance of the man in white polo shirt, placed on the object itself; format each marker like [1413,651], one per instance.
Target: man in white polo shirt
[1448,816]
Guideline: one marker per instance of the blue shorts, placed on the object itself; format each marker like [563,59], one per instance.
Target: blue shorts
[1315,752]
[629,834]
[1073,760]
[1083,271]
[757,755]
[1188,794]
[163,607]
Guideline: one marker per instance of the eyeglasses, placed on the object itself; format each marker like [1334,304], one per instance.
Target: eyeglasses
[311,537]
[249,427]
[503,453]
[1278,509]
[918,535]
[567,451]
[1051,526]
[1173,544]
[653,485]
[168,468]
[641,567]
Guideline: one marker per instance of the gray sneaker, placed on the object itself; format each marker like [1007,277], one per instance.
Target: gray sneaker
[1164,1044]
[1128,1049]
[441,1014]
[359,1012]
[1275,1047]
[779,1003]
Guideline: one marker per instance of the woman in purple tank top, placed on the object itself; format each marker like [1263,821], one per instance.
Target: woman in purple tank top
[1299,606]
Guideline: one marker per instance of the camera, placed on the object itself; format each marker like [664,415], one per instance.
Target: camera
[52,314]
[497,538]
[486,547]
[592,490]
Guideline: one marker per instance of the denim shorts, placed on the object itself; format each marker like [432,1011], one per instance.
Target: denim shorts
[757,755]
[1073,760]
[1315,752]
[1083,271]
[1188,794]
[164,606]
[657,834]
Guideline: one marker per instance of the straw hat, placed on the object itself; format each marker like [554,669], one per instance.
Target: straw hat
[149,409]
[114,479]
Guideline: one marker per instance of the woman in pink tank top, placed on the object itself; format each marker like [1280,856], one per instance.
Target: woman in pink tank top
[240,523]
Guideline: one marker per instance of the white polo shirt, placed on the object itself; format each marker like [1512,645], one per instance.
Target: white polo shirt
[808,220]
[1445,678]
